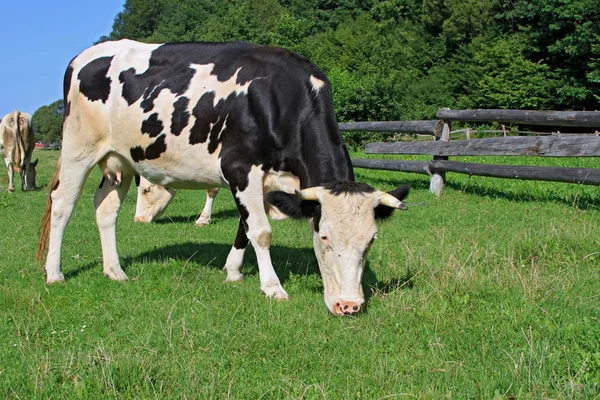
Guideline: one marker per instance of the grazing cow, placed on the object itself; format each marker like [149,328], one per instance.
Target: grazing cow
[153,200]
[18,144]
[235,115]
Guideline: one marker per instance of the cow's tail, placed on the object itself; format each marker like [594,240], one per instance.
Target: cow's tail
[45,224]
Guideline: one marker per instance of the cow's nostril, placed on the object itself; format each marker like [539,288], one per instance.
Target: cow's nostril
[346,308]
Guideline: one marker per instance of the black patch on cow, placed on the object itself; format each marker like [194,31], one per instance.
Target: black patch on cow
[152,126]
[382,212]
[216,129]
[157,148]
[94,84]
[152,152]
[137,153]
[241,238]
[181,116]
[205,114]
[131,93]
[343,187]
[317,221]
[66,87]
[67,110]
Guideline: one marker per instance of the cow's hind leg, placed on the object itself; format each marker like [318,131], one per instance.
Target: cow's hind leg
[252,211]
[108,200]
[11,174]
[65,193]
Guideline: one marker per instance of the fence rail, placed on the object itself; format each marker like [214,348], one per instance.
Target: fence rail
[582,119]
[579,145]
[548,146]
[429,127]
[583,176]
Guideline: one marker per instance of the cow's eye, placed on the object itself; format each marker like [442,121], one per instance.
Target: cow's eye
[324,238]
[147,190]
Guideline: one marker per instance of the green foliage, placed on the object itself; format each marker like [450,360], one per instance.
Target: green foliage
[48,121]
[404,59]
[505,78]
[458,21]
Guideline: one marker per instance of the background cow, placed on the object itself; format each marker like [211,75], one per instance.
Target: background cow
[153,200]
[18,143]
[236,115]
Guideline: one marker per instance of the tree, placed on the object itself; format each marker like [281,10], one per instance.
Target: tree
[403,59]
[47,122]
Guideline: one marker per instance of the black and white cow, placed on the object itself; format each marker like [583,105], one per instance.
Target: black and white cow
[235,115]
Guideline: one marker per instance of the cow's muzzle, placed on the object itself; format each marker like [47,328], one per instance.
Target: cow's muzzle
[346,308]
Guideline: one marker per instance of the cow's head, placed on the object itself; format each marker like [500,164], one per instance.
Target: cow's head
[152,200]
[343,220]
[28,174]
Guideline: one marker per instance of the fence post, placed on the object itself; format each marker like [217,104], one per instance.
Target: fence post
[437,178]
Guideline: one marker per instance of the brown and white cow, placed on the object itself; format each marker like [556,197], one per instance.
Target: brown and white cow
[153,200]
[18,143]
[241,116]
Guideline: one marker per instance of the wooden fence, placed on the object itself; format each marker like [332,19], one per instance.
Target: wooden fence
[585,144]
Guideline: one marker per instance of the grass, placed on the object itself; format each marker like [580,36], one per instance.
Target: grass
[491,291]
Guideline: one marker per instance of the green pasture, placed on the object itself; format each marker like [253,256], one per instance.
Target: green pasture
[491,291]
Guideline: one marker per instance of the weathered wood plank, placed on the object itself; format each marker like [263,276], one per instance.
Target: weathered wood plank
[587,119]
[429,127]
[419,167]
[585,176]
[548,146]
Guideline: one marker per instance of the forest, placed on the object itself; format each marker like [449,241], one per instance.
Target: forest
[398,59]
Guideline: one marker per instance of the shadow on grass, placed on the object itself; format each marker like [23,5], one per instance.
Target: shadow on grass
[584,201]
[288,262]
[178,219]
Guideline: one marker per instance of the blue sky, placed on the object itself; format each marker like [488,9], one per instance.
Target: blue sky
[38,38]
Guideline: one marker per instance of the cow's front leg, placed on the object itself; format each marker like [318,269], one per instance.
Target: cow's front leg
[254,218]
[236,255]
[108,201]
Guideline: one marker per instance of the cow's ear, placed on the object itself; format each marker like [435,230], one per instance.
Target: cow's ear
[34,164]
[137,180]
[293,206]
[400,193]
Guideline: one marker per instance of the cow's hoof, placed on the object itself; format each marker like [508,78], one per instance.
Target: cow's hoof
[201,221]
[276,292]
[50,279]
[115,275]
[234,277]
